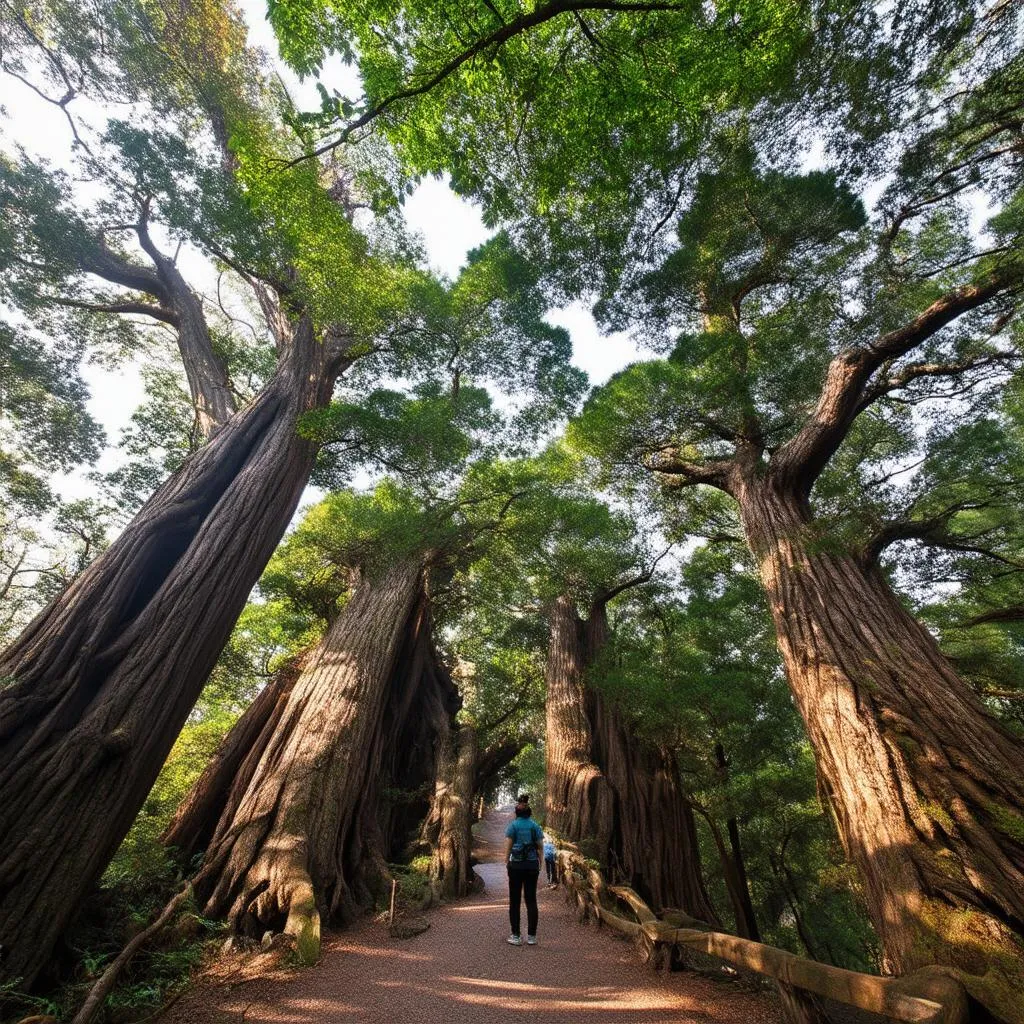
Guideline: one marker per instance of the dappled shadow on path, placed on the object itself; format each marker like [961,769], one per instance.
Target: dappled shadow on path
[462,970]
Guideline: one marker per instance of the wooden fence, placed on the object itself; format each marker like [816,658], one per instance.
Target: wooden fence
[928,996]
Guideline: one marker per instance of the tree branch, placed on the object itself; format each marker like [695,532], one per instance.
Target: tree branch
[916,371]
[679,472]
[117,270]
[142,308]
[519,25]
[604,596]
[933,532]
[799,462]
[1012,613]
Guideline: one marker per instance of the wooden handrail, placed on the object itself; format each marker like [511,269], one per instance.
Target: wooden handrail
[928,996]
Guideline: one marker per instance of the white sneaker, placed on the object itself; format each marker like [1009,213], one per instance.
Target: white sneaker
[531,940]
[515,940]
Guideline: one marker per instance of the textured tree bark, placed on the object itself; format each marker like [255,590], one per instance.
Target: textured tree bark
[103,679]
[927,789]
[417,722]
[231,768]
[620,794]
[305,841]
[451,815]
[580,803]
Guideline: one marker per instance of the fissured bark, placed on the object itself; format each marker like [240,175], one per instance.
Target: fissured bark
[306,840]
[448,828]
[101,682]
[224,781]
[609,789]
[926,787]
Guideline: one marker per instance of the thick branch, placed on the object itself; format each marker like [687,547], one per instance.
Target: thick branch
[141,308]
[679,472]
[117,270]
[1012,613]
[933,532]
[492,760]
[799,462]
[212,396]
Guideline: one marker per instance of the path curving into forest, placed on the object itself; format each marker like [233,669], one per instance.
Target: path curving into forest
[462,970]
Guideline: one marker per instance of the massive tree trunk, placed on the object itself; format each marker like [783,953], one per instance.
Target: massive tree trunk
[609,789]
[579,802]
[224,781]
[101,682]
[306,840]
[449,825]
[417,722]
[927,789]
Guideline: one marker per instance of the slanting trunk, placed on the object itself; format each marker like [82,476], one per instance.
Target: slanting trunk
[739,886]
[580,804]
[105,676]
[927,789]
[305,839]
[621,796]
[451,815]
[231,768]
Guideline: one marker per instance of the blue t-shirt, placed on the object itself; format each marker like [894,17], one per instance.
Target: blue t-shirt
[527,832]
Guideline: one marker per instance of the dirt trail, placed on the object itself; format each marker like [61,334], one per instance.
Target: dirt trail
[463,970]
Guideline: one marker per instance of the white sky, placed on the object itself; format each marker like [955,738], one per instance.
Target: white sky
[449,226]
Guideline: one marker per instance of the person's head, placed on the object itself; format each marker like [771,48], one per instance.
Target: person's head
[523,800]
[523,811]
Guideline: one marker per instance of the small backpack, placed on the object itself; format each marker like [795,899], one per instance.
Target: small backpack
[523,853]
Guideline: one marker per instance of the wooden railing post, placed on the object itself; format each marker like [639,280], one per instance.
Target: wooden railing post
[929,996]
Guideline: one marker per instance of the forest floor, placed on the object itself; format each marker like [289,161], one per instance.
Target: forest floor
[462,970]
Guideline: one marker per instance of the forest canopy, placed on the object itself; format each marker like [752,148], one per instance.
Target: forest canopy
[364,548]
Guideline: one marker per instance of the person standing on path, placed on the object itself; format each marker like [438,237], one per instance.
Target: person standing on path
[549,859]
[523,850]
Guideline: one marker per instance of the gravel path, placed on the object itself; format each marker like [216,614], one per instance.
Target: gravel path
[462,970]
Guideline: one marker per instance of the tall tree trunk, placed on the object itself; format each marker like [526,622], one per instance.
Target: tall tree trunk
[231,768]
[102,680]
[451,815]
[418,720]
[927,788]
[621,794]
[305,838]
[580,803]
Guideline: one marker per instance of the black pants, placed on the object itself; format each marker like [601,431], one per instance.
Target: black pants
[523,881]
[549,865]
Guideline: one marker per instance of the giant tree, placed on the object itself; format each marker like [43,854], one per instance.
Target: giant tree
[784,381]
[617,795]
[310,820]
[781,370]
[101,681]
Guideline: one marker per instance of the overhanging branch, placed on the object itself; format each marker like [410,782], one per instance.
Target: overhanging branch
[508,30]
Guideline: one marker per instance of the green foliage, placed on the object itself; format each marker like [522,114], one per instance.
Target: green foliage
[703,676]
[581,122]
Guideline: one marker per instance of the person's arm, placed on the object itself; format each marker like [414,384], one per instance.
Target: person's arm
[540,845]
[508,848]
